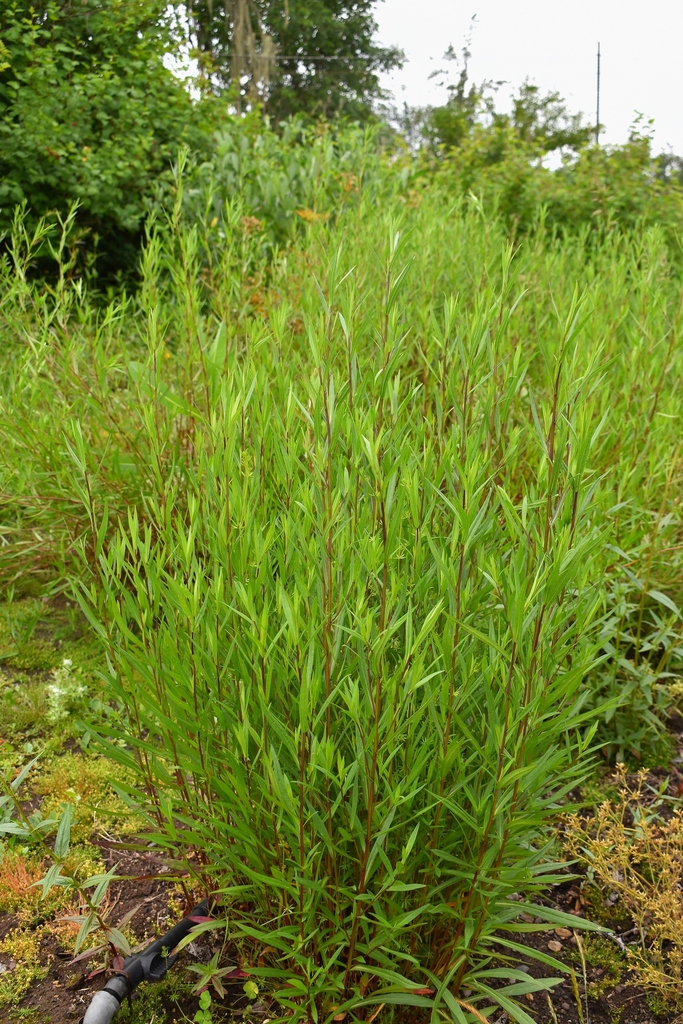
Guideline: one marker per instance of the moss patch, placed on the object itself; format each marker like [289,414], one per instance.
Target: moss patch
[20,954]
[86,782]
[606,961]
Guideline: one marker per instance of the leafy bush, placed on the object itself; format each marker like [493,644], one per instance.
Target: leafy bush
[89,113]
[595,190]
[353,647]
[540,122]
[300,174]
[353,550]
[472,147]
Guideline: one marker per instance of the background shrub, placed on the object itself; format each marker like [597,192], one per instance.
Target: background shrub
[89,114]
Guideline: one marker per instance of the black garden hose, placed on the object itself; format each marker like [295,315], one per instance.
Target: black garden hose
[150,964]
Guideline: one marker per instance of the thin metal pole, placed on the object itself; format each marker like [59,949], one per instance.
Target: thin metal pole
[597,111]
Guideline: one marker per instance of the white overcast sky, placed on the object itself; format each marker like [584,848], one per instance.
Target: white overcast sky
[555,45]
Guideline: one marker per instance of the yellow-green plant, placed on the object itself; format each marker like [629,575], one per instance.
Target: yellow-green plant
[636,854]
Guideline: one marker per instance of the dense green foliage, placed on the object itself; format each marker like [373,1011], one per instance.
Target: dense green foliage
[598,189]
[89,113]
[299,171]
[472,147]
[287,179]
[277,174]
[373,527]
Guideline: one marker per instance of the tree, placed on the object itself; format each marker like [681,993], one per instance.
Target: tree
[544,121]
[311,56]
[451,123]
[88,112]
[540,121]
[669,169]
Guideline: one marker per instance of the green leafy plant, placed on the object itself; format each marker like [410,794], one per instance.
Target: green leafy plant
[364,679]
[350,550]
[203,1014]
[211,975]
